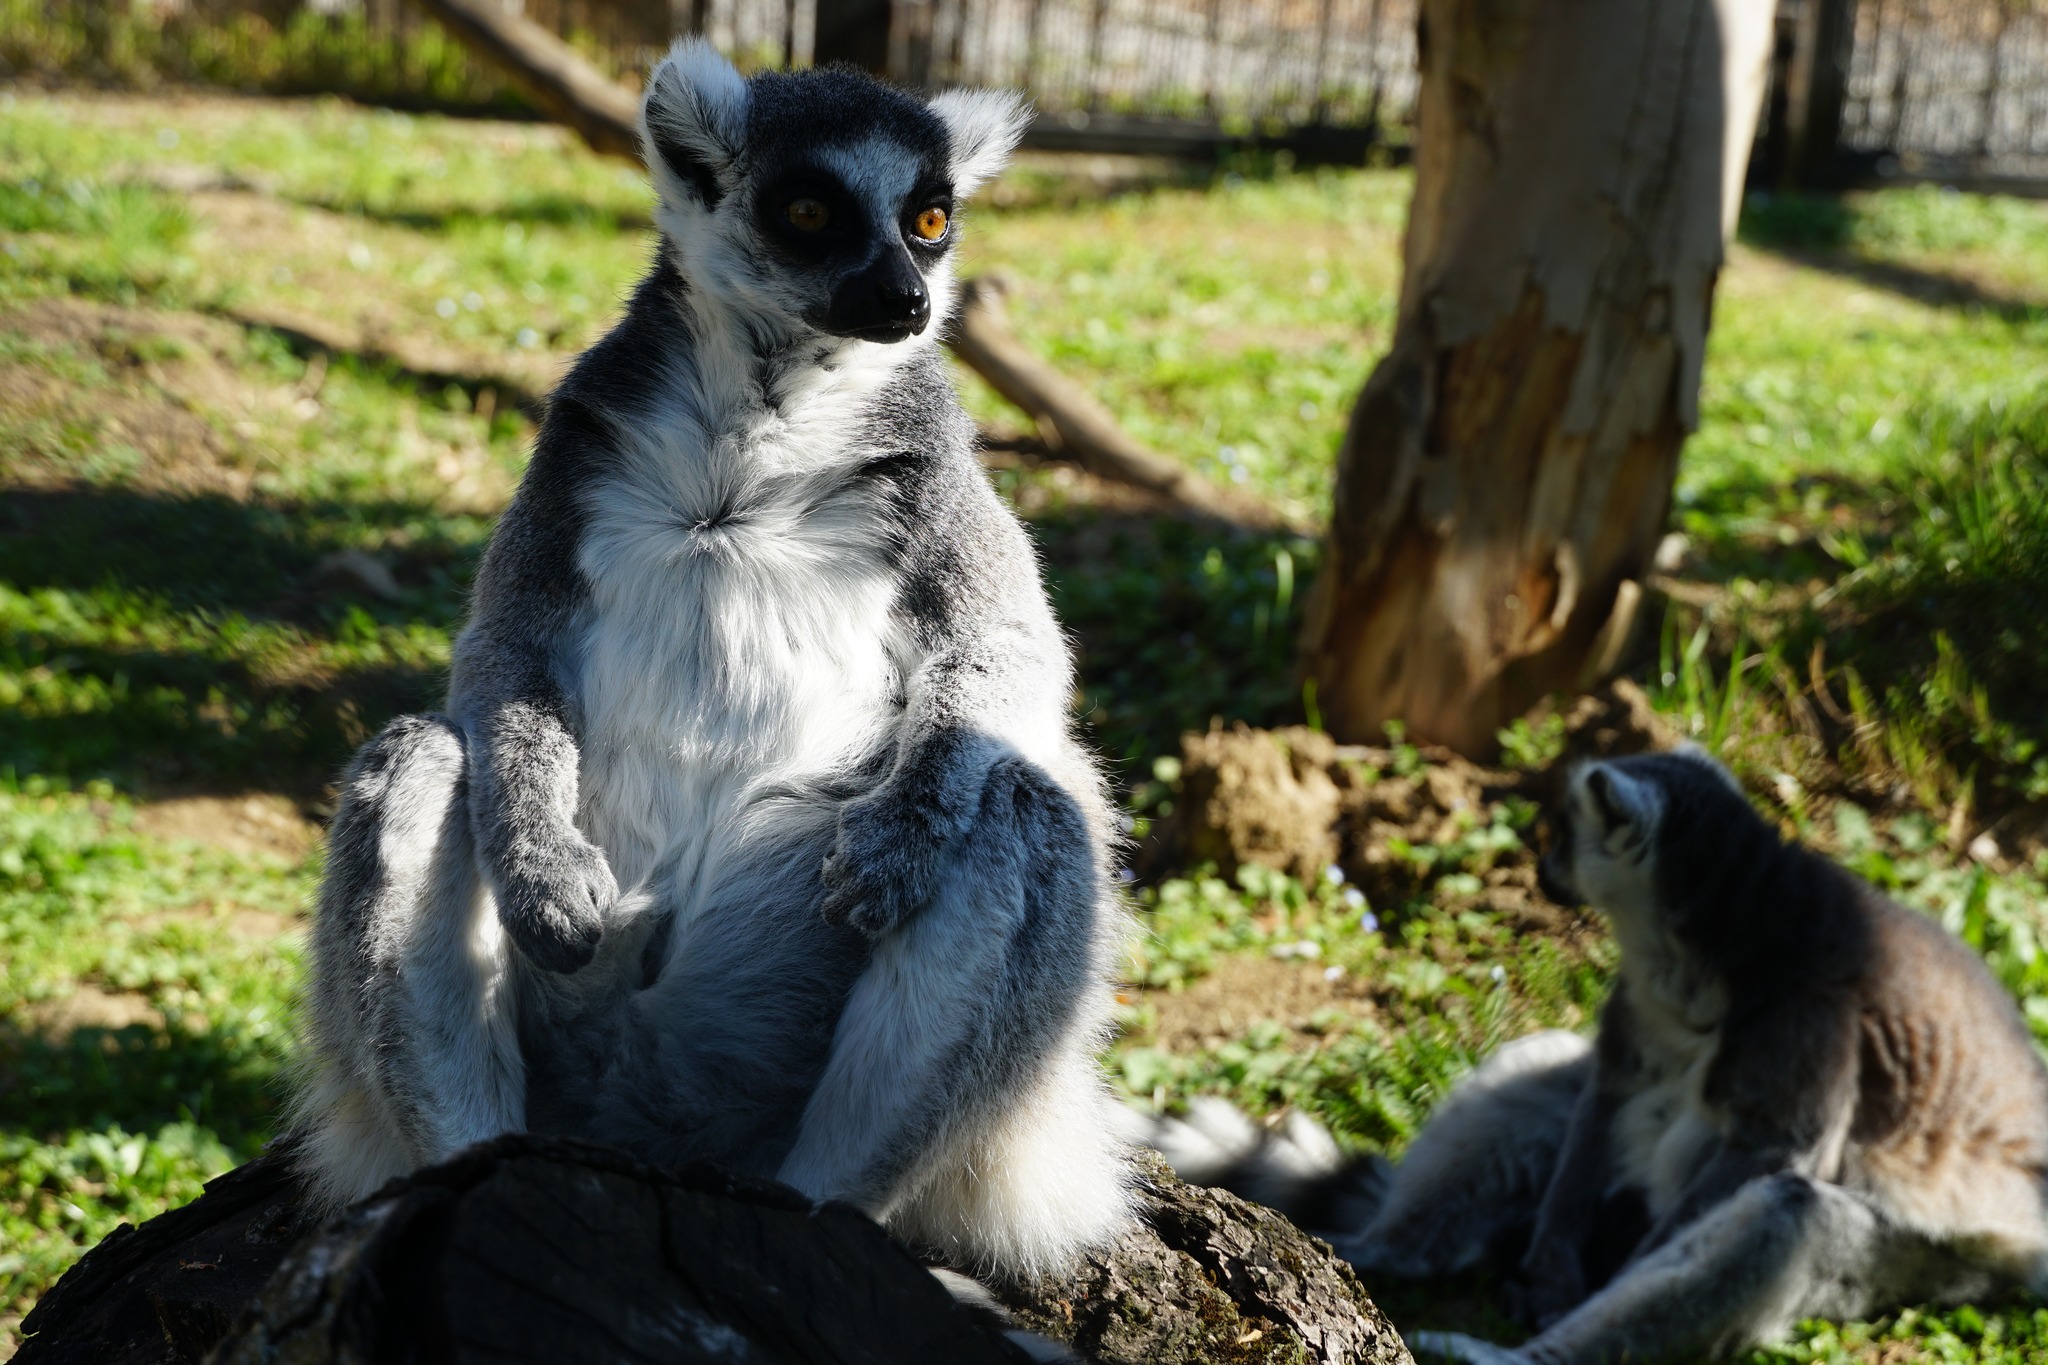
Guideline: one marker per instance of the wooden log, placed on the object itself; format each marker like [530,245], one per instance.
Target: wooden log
[531,1248]
[554,75]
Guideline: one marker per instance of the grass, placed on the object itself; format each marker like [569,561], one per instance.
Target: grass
[173,629]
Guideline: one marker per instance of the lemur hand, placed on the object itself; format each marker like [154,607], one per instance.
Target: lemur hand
[885,866]
[553,896]
[1551,1282]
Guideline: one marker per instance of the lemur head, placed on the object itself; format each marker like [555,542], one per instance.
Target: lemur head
[816,201]
[1627,825]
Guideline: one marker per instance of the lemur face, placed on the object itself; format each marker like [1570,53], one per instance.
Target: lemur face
[1619,815]
[818,201]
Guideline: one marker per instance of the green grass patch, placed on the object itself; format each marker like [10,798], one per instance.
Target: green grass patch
[173,487]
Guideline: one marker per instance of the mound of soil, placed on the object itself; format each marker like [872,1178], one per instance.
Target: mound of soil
[1295,800]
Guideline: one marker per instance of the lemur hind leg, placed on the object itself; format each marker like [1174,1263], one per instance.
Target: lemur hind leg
[1781,1249]
[1477,1172]
[412,1051]
[961,1102]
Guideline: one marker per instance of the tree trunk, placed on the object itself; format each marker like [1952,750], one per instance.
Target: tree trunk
[528,1248]
[1508,468]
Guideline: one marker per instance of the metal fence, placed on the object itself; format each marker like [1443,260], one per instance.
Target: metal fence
[1955,89]
[1949,87]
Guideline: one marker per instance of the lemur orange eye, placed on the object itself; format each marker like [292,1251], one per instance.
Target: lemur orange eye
[807,215]
[931,224]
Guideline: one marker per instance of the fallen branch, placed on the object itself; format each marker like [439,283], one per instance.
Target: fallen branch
[557,77]
[1076,426]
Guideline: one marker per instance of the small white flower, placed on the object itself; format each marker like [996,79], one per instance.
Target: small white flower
[1334,875]
[472,300]
[1369,922]
[527,338]
[359,256]
[1499,975]
[1354,898]
[1333,973]
[446,308]
[167,138]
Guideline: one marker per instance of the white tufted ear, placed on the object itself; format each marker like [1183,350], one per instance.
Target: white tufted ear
[983,127]
[693,122]
[1617,803]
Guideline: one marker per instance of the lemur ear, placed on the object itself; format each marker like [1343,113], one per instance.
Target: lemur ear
[693,121]
[983,127]
[1616,800]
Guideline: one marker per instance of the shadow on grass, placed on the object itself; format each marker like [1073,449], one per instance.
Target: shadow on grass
[139,1078]
[1175,622]
[1819,233]
[199,644]
[546,210]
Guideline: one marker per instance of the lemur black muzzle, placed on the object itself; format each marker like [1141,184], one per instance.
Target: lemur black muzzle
[884,301]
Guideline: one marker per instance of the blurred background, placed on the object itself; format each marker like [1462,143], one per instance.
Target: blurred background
[283,285]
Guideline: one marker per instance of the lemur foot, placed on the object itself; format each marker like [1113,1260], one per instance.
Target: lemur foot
[885,866]
[554,902]
[1428,1346]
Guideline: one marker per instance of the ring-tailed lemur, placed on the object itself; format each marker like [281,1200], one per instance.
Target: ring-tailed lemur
[755,830]
[1803,1101]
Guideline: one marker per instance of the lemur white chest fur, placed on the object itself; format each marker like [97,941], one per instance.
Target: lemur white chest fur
[739,636]
[1664,1130]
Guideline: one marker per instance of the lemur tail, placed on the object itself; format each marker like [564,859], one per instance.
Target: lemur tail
[1292,1166]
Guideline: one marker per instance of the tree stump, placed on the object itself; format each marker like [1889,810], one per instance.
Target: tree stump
[1507,473]
[529,1248]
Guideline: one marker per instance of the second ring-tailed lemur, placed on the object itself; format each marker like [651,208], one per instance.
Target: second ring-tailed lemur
[755,830]
[1803,1101]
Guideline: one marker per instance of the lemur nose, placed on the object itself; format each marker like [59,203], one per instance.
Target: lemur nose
[885,301]
[909,303]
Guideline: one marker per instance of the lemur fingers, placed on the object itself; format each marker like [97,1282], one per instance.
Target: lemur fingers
[554,897]
[885,866]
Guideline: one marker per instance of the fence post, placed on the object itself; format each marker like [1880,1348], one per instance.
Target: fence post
[853,31]
[1817,89]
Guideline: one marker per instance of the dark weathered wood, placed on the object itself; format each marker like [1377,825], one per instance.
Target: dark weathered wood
[163,1293]
[1817,89]
[855,32]
[542,1249]
[554,75]
[546,1250]
[1208,1279]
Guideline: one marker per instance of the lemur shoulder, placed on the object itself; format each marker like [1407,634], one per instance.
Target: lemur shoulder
[754,830]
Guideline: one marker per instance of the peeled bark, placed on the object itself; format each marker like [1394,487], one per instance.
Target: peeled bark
[1508,468]
[542,1249]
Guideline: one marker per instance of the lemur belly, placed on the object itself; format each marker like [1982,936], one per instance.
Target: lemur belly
[727,657]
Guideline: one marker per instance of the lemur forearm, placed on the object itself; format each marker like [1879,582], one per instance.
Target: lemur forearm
[1580,1178]
[969,702]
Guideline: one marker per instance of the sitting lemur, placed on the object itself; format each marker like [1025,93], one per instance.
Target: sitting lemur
[754,830]
[1803,1100]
